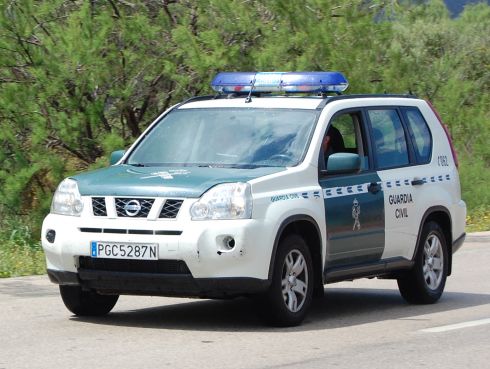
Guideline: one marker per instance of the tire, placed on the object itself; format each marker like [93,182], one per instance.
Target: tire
[425,283]
[288,299]
[87,303]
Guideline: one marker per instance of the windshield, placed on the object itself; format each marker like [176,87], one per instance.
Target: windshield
[227,138]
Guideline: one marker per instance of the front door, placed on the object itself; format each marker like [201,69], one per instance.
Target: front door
[354,203]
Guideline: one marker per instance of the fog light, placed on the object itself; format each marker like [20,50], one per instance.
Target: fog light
[50,236]
[229,242]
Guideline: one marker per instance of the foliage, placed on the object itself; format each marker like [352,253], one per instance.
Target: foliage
[20,254]
[478,220]
[79,79]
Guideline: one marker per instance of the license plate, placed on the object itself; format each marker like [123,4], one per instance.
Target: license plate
[119,250]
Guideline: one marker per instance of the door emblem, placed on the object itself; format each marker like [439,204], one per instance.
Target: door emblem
[356,210]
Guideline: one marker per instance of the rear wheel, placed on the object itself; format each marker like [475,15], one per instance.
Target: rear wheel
[286,302]
[87,303]
[425,283]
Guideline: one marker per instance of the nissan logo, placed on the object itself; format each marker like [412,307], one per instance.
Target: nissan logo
[132,207]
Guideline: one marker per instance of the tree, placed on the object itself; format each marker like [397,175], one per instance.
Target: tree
[79,79]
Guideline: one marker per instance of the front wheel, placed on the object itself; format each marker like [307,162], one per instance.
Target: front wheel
[286,302]
[426,281]
[87,303]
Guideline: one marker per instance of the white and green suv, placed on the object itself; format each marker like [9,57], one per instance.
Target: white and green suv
[266,195]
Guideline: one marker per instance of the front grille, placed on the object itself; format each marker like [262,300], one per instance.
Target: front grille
[171,209]
[134,266]
[130,231]
[145,204]
[99,207]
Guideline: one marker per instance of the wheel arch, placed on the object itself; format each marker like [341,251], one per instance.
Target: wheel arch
[306,227]
[441,216]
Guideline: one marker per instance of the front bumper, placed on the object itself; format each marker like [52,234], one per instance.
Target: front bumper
[174,285]
[197,243]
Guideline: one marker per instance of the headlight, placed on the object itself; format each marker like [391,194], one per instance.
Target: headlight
[224,201]
[67,199]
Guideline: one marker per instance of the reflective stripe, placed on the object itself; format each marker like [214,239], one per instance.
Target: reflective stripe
[345,191]
[395,183]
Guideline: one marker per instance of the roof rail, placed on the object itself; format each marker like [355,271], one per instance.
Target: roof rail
[347,97]
[197,98]
[322,104]
[214,97]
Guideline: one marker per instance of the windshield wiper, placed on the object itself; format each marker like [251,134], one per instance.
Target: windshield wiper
[233,166]
[138,165]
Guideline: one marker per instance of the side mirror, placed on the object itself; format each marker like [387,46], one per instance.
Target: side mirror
[116,156]
[343,163]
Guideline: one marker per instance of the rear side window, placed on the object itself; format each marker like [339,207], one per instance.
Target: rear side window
[389,138]
[420,134]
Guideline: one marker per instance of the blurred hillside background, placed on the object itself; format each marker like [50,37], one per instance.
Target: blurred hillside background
[456,7]
[80,79]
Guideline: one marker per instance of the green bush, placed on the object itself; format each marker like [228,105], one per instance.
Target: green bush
[478,220]
[20,254]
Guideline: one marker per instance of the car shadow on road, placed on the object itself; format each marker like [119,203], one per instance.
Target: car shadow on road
[339,308]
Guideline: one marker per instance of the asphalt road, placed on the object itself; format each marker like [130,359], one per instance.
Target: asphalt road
[360,324]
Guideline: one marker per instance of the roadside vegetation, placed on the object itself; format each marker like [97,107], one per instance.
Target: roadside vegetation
[80,79]
[20,254]
[478,220]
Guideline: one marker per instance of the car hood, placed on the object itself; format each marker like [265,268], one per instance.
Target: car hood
[126,180]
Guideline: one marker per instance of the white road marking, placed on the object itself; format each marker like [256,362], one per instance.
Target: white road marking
[450,327]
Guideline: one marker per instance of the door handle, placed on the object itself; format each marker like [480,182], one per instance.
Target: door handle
[418,182]
[374,187]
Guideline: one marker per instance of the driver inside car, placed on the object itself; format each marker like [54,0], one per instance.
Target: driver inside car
[332,143]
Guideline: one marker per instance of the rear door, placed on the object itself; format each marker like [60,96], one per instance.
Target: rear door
[400,140]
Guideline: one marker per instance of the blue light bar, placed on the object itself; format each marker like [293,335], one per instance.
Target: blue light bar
[295,82]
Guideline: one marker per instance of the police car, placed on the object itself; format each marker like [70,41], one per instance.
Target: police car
[270,189]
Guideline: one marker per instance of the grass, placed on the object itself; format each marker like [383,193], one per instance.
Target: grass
[20,254]
[478,220]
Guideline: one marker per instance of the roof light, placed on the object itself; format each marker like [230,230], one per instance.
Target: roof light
[296,82]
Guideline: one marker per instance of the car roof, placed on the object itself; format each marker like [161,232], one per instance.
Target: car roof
[291,102]
[271,102]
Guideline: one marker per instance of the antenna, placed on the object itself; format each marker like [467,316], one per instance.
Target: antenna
[249,97]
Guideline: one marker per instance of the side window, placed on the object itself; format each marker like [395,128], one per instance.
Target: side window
[345,135]
[419,132]
[389,138]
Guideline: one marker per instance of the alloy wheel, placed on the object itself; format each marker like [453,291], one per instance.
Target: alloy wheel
[433,262]
[294,280]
